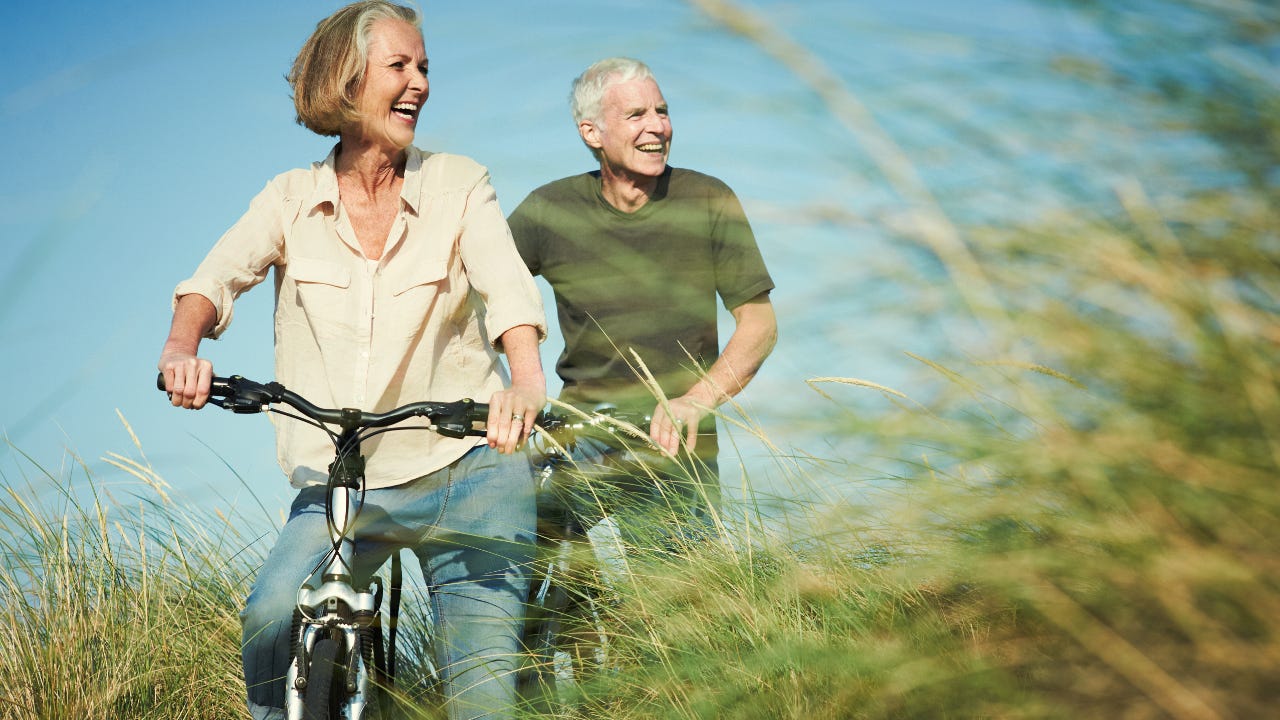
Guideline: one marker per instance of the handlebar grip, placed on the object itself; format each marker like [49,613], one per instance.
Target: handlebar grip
[217,386]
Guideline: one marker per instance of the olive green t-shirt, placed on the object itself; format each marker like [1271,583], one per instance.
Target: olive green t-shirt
[638,285]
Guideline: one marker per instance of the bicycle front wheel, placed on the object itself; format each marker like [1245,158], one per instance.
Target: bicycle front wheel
[326,681]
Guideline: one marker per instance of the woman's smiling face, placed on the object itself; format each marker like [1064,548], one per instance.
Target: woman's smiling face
[395,86]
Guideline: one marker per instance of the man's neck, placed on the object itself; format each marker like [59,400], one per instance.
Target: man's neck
[627,193]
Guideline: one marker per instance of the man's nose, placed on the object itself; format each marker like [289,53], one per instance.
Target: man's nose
[656,123]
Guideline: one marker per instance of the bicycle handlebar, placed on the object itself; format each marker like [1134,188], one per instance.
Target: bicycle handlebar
[240,395]
[452,419]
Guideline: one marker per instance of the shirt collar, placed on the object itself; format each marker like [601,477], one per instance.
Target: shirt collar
[326,190]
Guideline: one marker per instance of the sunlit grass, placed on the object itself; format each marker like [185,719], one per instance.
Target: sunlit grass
[1083,523]
[117,609]
[1063,544]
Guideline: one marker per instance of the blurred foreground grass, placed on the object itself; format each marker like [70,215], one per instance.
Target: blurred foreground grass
[1087,525]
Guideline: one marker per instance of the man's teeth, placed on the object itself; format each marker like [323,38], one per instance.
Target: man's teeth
[651,147]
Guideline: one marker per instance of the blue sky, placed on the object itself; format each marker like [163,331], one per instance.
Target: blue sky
[135,133]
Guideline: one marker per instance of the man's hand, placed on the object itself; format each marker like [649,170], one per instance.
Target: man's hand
[753,339]
[675,424]
[187,378]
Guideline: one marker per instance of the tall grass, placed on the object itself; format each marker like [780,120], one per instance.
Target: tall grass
[117,608]
[1087,528]
[1086,522]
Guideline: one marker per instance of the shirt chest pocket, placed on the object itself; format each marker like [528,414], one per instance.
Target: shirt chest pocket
[419,291]
[322,293]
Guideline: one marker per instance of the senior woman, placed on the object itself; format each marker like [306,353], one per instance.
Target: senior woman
[396,281]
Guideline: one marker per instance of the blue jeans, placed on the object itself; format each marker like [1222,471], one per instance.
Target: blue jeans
[471,526]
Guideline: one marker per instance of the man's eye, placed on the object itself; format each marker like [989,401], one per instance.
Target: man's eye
[423,69]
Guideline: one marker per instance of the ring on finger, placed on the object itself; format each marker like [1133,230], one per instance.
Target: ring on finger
[517,416]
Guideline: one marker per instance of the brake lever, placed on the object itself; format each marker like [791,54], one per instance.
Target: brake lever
[239,405]
[237,394]
[455,421]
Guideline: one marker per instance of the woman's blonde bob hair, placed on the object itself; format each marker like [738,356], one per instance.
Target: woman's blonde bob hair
[329,70]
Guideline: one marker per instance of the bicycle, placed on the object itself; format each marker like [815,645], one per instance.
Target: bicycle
[557,655]
[338,656]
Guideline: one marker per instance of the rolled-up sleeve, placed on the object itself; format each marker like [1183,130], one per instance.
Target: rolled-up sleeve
[241,258]
[495,268]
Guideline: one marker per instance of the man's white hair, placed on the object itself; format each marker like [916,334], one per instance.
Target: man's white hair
[589,88]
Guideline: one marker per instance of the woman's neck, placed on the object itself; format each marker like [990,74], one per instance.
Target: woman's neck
[371,168]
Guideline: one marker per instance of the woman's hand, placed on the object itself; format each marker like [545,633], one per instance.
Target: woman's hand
[512,413]
[187,378]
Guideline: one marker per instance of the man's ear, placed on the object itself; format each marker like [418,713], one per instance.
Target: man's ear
[590,134]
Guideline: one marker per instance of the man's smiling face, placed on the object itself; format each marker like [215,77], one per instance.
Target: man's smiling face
[633,133]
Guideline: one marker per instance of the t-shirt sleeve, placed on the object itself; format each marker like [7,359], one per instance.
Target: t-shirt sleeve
[524,229]
[740,270]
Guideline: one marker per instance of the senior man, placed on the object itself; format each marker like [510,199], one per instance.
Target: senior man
[637,253]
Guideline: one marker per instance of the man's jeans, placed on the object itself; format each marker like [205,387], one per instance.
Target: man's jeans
[471,526]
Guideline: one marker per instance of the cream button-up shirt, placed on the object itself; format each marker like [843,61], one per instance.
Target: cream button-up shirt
[422,323]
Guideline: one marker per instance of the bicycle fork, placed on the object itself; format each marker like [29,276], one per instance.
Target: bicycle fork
[334,610]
